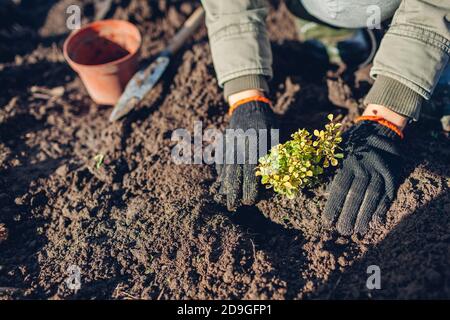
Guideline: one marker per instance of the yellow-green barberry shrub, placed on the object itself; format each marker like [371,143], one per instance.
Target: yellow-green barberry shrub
[299,162]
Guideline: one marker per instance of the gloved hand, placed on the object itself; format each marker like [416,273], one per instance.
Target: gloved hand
[238,182]
[367,182]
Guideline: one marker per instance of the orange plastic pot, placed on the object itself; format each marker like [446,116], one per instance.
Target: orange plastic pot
[105,55]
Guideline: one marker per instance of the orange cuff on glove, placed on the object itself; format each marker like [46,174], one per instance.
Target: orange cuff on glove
[383,122]
[237,104]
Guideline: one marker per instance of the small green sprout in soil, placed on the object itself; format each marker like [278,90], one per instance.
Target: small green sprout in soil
[301,161]
[99,160]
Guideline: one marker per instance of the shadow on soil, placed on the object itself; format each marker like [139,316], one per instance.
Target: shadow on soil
[407,252]
[282,245]
[26,241]
[21,215]
[416,251]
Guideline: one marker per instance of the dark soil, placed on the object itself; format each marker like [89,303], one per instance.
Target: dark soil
[141,227]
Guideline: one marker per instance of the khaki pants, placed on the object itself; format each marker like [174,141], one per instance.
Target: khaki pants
[413,53]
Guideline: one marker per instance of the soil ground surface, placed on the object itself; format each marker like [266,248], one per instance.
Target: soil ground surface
[140,227]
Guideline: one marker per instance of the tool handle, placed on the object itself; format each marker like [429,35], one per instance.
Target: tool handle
[189,27]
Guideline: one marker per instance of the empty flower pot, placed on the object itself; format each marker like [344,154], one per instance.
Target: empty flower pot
[105,55]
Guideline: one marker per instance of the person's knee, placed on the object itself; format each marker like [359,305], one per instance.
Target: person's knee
[351,13]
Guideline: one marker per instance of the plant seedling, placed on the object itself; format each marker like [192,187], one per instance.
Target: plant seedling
[299,162]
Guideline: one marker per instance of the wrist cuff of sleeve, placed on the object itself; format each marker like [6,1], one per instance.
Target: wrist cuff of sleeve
[247,82]
[396,96]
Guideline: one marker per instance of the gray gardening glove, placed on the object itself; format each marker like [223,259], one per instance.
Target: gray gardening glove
[367,181]
[238,182]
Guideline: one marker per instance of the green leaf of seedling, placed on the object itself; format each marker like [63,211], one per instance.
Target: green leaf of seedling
[299,162]
[99,160]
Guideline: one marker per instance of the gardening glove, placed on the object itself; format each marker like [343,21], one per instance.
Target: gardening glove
[238,182]
[366,183]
